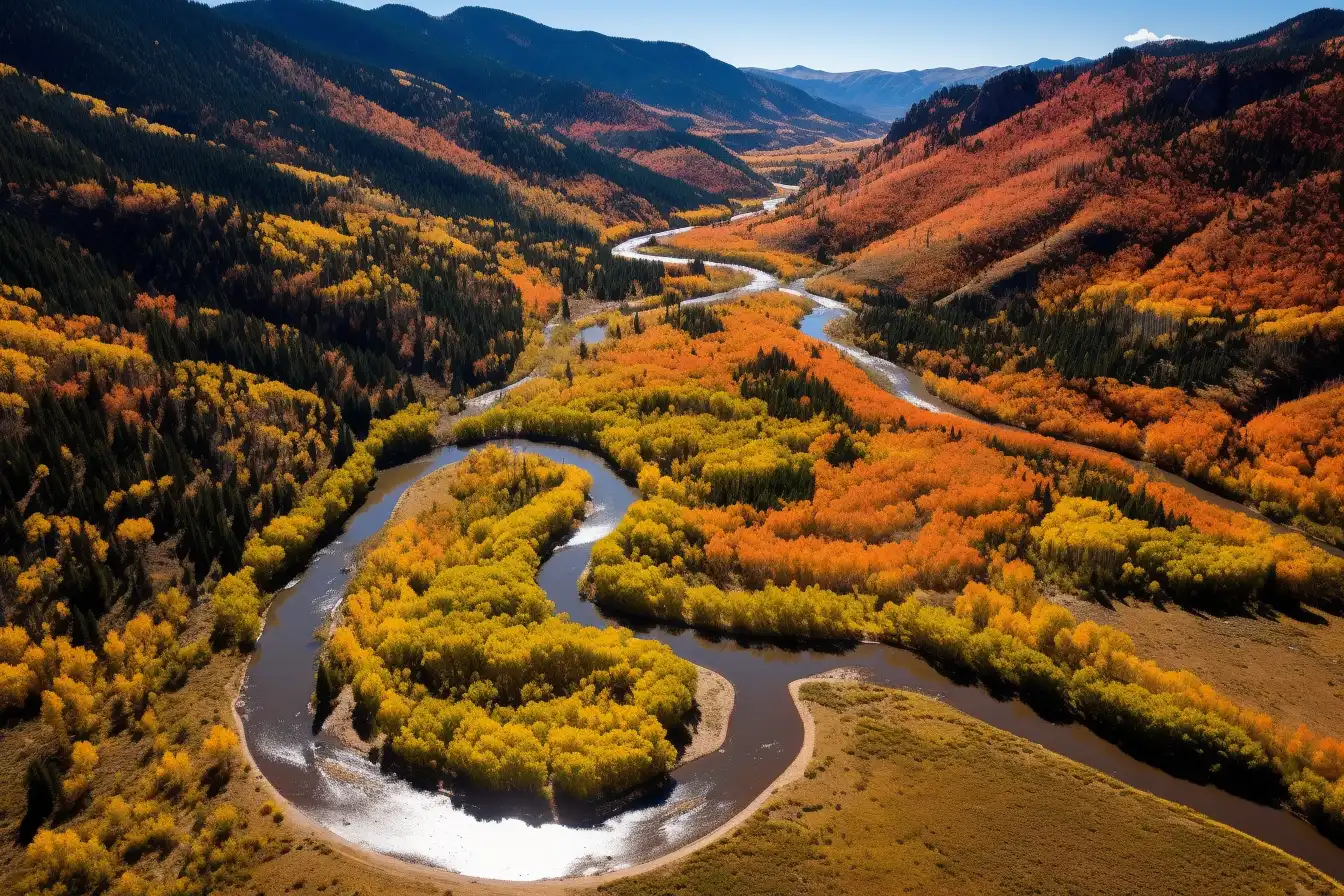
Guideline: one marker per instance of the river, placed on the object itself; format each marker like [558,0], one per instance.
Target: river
[345,792]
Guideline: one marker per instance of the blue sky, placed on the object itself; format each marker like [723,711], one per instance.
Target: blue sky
[843,35]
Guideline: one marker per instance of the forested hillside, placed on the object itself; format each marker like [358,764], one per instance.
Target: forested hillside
[1142,254]
[230,271]
[670,93]
[222,259]
[402,37]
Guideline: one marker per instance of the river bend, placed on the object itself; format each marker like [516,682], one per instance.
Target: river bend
[346,793]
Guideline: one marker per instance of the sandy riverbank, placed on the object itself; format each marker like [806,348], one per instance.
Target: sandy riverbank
[714,698]
[340,725]
[401,871]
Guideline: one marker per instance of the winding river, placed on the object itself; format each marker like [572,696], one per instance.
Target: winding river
[343,791]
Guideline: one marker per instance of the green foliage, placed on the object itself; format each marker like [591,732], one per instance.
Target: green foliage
[696,321]
[787,391]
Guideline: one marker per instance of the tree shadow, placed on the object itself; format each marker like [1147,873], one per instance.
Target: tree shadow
[43,786]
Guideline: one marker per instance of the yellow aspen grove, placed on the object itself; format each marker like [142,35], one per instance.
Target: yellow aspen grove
[455,654]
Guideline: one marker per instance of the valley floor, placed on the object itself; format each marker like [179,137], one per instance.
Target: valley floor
[904,794]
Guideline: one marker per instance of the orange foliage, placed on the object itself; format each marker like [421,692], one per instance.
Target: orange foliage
[1040,400]
[1274,253]
[1180,432]
[1174,430]
[541,296]
[912,513]
[696,168]
[1296,456]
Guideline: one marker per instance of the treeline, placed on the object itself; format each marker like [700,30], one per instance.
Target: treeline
[287,541]
[1114,341]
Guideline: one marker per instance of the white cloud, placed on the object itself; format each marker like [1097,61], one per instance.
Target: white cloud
[1143,36]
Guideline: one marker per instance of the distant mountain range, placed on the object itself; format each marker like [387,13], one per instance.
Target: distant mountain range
[887,95]
[683,87]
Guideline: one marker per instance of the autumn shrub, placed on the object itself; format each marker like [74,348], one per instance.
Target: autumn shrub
[237,603]
[65,859]
[219,754]
[79,777]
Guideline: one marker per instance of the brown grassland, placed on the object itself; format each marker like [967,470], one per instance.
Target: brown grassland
[1289,666]
[905,795]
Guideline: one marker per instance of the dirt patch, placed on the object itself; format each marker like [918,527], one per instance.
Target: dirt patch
[579,308]
[426,494]
[714,698]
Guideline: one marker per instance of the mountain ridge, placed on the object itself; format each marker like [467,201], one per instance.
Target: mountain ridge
[887,95]
[681,86]
[404,38]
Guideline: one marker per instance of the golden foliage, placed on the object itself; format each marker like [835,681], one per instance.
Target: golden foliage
[454,651]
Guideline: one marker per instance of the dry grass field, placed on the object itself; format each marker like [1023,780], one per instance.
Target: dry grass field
[905,795]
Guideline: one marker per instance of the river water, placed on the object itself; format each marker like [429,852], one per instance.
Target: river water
[345,792]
